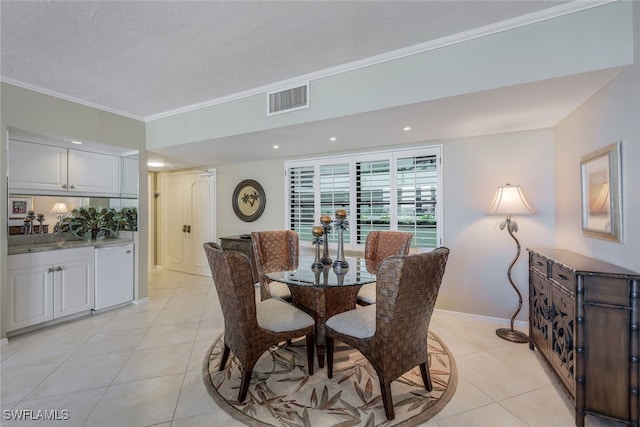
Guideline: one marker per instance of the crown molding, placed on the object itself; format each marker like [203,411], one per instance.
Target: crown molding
[517,22]
[75,100]
[520,21]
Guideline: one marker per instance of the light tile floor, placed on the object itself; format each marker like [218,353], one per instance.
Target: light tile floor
[140,366]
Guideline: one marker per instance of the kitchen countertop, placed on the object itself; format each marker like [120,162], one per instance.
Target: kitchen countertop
[65,244]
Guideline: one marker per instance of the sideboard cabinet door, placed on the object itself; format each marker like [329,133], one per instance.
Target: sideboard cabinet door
[585,321]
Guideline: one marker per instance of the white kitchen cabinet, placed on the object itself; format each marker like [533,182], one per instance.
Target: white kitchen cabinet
[129,177]
[47,169]
[114,275]
[93,173]
[29,296]
[37,167]
[49,285]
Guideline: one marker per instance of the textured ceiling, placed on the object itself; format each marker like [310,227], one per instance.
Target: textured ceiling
[144,58]
[148,59]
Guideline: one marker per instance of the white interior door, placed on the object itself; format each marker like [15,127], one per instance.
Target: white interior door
[188,220]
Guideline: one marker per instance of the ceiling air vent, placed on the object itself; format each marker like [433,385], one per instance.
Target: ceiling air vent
[287,100]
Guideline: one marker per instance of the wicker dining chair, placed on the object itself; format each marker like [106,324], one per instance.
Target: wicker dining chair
[276,250]
[251,328]
[392,334]
[378,246]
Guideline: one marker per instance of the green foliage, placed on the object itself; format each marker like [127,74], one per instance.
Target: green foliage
[90,224]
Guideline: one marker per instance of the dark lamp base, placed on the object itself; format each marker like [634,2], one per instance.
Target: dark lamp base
[512,335]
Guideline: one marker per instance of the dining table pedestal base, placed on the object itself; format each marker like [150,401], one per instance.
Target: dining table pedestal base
[322,302]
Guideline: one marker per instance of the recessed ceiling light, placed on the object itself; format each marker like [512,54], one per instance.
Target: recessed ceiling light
[407,128]
[155,164]
[77,142]
[276,147]
[333,138]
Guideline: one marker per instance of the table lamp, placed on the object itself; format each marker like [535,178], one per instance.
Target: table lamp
[509,201]
[60,208]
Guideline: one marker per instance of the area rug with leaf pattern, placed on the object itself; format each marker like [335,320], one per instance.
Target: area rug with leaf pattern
[283,394]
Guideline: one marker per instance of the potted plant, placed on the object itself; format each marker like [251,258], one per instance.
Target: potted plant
[90,224]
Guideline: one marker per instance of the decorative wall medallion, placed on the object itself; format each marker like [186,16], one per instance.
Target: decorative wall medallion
[248,200]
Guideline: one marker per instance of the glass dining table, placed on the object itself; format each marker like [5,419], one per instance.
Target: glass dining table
[323,293]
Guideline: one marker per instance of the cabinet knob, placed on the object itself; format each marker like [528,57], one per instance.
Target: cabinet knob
[58,268]
[188,229]
[184,228]
[65,186]
[128,252]
[51,270]
[72,187]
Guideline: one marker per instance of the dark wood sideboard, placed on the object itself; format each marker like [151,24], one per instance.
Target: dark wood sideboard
[584,319]
[243,245]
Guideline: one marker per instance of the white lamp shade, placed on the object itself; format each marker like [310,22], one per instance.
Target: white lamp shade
[509,200]
[60,208]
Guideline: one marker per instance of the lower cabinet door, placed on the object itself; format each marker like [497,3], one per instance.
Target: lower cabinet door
[74,287]
[30,297]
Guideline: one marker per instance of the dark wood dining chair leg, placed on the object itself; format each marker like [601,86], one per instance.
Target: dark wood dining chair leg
[311,343]
[225,357]
[426,377]
[244,384]
[329,349]
[321,351]
[387,400]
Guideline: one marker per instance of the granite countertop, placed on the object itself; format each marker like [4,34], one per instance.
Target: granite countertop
[39,243]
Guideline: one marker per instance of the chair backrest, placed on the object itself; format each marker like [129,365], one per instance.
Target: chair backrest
[233,280]
[408,286]
[276,250]
[382,244]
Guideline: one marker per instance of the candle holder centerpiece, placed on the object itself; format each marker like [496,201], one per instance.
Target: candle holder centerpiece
[341,224]
[40,219]
[318,232]
[325,220]
[28,222]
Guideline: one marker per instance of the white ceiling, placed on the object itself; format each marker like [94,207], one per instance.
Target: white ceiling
[145,59]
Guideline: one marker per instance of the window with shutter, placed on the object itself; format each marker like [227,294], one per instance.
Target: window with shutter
[389,190]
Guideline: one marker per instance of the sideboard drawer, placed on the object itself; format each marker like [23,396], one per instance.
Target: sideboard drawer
[604,290]
[563,277]
[231,245]
[539,264]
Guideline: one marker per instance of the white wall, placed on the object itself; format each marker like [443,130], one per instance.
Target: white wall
[476,280]
[613,114]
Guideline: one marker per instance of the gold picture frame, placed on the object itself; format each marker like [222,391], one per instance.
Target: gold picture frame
[19,207]
[601,193]
[248,200]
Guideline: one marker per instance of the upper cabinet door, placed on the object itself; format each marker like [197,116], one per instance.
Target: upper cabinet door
[37,167]
[94,173]
[129,177]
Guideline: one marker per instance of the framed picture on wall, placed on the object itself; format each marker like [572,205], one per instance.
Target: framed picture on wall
[248,200]
[601,193]
[19,207]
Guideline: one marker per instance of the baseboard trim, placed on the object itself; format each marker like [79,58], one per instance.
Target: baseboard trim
[496,320]
[4,341]
[140,301]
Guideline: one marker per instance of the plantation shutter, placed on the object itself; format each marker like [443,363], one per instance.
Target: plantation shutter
[373,197]
[335,188]
[301,200]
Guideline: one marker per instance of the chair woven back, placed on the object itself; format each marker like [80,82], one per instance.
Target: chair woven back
[408,286]
[382,244]
[233,280]
[276,250]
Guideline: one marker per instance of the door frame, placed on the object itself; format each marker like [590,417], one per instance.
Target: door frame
[161,200]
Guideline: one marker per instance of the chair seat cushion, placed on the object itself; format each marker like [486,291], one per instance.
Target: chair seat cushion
[277,315]
[367,293]
[279,290]
[359,323]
